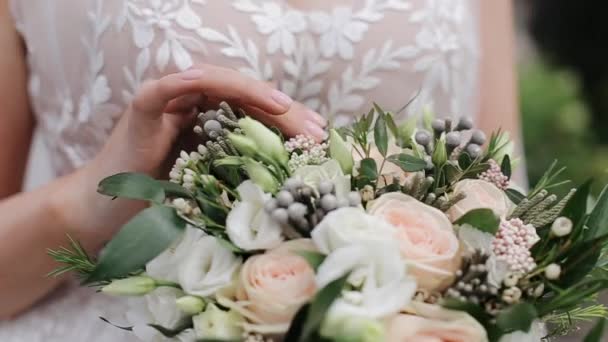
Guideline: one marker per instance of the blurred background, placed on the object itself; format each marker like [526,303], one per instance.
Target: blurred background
[563,85]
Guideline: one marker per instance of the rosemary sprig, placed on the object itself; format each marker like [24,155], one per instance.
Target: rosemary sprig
[74,259]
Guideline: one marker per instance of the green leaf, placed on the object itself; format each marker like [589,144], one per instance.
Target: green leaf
[381,134]
[577,205]
[133,186]
[368,168]
[319,307]
[506,166]
[465,161]
[174,190]
[392,126]
[515,196]
[483,219]
[407,163]
[595,335]
[474,310]
[172,332]
[314,259]
[516,318]
[143,238]
[598,219]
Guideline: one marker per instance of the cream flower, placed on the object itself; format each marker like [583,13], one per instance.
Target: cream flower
[432,323]
[479,194]
[248,225]
[426,238]
[277,283]
[208,268]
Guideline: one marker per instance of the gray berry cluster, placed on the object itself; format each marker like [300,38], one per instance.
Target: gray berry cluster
[213,127]
[455,137]
[299,207]
[471,285]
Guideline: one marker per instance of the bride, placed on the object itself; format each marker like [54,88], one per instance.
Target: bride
[110,85]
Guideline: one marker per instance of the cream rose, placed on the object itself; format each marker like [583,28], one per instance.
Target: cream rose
[479,194]
[276,284]
[432,323]
[426,238]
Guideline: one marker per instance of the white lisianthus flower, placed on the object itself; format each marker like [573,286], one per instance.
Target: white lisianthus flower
[331,170]
[346,226]
[378,273]
[248,225]
[157,307]
[208,268]
[165,265]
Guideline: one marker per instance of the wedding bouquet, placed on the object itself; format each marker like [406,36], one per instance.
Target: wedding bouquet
[383,232]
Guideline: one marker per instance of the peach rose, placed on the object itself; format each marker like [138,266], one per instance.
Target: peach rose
[432,323]
[479,194]
[426,238]
[276,284]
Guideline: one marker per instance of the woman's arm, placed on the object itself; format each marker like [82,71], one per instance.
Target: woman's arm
[33,221]
[498,79]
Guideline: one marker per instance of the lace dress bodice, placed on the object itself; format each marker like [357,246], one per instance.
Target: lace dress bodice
[87,58]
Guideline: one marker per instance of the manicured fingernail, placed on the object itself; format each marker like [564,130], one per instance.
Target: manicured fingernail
[316,117]
[281,99]
[314,130]
[192,74]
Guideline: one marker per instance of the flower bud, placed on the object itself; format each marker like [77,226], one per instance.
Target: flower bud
[352,329]
[190,305]
[553,271]
[267,141]
[440,155]
[261,176]
[243,144]
[216,324]
[561,227]
[340,151]
[134,286]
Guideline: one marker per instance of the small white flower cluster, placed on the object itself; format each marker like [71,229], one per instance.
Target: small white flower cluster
[310,152]
[513,242]
[186,208]
[184,171]
[495,176]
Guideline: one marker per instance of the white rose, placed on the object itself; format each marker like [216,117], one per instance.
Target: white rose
[165,265]
[208,267]
[378,274]
[312,175]
[479,194]
[346,226]
[157,307]
[248,225]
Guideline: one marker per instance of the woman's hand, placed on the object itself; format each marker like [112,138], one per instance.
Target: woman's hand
[144,136]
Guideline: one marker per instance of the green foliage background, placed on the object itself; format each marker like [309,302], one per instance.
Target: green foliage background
[556,125]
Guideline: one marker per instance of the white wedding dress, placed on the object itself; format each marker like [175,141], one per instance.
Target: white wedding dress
[87,58]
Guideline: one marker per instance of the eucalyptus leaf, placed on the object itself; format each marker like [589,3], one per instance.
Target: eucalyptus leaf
[596,334]
[505,167]
[407,163]
[133,186]
[320,306]
[369,169]
[474,310]
[392,126]
[314,259]
[515,196]
[173,189]
[172,332]
[381,134]
[483,219]
[519,317]
[142,239]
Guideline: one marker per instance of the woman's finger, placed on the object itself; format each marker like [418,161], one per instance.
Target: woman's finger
[298,120]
